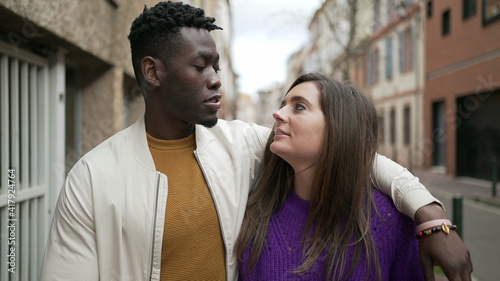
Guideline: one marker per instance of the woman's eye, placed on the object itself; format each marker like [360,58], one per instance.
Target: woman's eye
[300,106]
[200,68]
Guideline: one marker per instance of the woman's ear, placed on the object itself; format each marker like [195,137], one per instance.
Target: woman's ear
[151,70]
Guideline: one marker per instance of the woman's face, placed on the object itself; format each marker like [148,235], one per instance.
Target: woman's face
[299,127]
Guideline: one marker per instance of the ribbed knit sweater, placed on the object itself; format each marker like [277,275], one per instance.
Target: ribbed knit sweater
[192,246]
[393,234]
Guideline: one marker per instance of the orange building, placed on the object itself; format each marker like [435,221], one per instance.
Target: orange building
[462,86]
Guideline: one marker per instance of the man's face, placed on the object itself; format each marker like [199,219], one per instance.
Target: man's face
[190,83]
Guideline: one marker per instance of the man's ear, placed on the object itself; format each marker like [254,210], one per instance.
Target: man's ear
[151,70]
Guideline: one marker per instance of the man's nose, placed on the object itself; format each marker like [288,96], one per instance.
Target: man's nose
[214,82]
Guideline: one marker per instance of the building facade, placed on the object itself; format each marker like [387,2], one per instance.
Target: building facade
[462,87]
[379,45]
[394,78]
[432,69]
[66,84]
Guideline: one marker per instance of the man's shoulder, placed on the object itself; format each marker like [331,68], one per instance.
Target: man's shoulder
[239,126]
[113,147]
[115,140]
[232,135]
[238,123]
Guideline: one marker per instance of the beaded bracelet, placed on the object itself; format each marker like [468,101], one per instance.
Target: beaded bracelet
[431,224]
[445,228]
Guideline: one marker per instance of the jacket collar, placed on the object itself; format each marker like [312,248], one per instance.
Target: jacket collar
[140,142]
[203,138]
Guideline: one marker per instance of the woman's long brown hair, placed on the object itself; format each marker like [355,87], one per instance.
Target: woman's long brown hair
[341,201]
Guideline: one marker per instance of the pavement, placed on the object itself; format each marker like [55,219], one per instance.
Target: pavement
[470,188]
[481,218]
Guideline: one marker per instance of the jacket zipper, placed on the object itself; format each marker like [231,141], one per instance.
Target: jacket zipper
[217,208]
[154,224]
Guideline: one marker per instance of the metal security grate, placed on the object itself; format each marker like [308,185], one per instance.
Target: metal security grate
[24,166]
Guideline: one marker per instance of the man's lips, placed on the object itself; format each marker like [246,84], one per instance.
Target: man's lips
[213,101]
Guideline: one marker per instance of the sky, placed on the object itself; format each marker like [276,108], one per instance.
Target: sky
[265,34]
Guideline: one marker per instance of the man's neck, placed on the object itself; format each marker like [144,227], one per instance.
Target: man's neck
[168,130]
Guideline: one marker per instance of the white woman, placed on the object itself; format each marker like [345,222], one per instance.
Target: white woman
[315,214]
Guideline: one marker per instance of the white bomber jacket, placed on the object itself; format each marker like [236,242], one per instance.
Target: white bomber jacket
[109,219]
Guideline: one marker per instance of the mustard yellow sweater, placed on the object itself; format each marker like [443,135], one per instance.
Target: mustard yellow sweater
[192,243]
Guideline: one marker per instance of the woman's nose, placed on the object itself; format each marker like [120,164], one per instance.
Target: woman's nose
[279,116]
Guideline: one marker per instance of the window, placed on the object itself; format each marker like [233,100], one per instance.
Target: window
[446,23]
[375,66]
[405,50]
[376,13]
[439,133]
[388,58]
[26,154]
[469,8]
[369,74]
[407,125]
[392,127]
[381,127]
[358,71]
[408,50]
[429,9]
[491,11]
[372,67]
[390,8]
[401,54]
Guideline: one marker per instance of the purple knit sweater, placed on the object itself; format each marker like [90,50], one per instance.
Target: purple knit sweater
[395,241]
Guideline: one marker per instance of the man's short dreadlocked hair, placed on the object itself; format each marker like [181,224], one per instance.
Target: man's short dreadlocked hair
[156,31]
